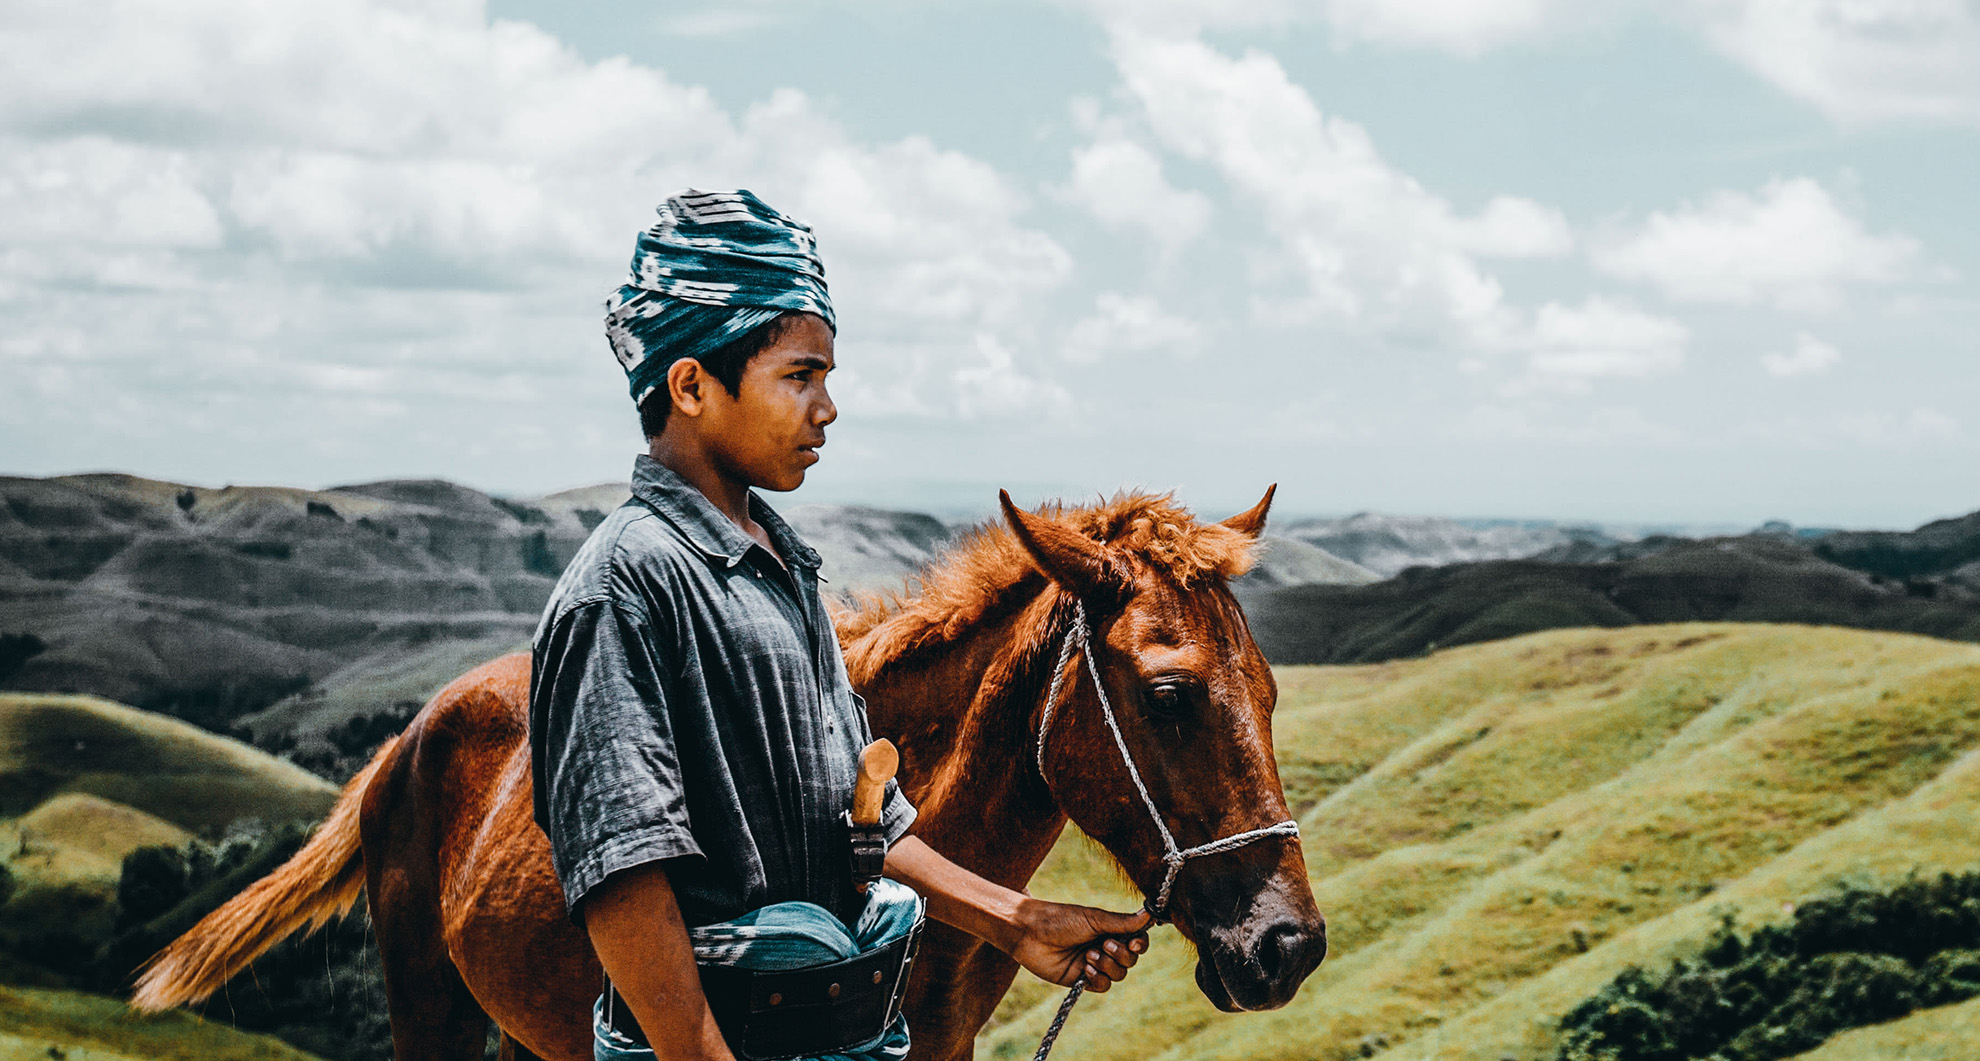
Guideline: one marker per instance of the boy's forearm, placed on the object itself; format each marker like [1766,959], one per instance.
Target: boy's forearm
[1058,942]
[637,931]
[956,896]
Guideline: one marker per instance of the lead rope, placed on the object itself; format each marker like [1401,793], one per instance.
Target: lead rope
[1172,856]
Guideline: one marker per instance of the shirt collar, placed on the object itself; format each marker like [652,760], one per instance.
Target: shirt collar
[704,525]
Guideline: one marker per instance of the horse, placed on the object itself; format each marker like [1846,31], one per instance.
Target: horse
[437,829]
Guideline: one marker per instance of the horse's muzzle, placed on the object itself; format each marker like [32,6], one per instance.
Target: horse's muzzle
[1253,954]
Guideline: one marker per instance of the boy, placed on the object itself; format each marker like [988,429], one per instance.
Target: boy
[693,735]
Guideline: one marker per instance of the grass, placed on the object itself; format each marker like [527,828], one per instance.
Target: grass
[55,744]
[84,782]
[1495,831]
[1945,1034]
[47,1025]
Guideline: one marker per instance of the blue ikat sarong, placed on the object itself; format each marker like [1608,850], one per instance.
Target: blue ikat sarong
[791,936]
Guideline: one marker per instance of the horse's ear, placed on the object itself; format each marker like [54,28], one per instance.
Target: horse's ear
[1077,563]
[1251,521]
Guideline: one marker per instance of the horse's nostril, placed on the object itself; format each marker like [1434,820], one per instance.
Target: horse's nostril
[1279,950]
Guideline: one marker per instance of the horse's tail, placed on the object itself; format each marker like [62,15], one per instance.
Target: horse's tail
[321,881]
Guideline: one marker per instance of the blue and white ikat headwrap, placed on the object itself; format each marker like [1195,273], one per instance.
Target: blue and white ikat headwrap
[716,267]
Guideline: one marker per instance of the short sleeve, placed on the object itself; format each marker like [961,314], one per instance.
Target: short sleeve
[603,757]
[898,814]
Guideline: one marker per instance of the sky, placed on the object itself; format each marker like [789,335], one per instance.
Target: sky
[1705,261]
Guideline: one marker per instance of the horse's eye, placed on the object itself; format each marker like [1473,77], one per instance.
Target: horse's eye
[1168,700]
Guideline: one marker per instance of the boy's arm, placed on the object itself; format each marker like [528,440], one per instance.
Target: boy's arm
[637,930]
[1058,942]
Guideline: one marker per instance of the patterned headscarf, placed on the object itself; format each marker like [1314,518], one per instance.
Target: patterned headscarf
[716,267]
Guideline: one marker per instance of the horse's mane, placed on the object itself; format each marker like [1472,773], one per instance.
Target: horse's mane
[988,564]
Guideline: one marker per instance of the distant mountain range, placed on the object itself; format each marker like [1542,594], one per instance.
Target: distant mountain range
[1918,582]
[301,614]
[1389,545]
[294,612]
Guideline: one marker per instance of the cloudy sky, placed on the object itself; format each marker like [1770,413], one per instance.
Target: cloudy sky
[1703,260]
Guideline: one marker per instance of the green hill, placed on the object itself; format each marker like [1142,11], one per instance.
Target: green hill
[83,783]
[53,744]
[1496,831]
[41,1024]
[1945,1034]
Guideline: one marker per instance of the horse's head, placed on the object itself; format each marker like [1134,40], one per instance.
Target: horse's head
[1193,698]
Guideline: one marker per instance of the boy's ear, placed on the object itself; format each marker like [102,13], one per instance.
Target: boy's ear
[687,386]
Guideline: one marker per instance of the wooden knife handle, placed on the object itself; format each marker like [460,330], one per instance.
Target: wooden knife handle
[877,765]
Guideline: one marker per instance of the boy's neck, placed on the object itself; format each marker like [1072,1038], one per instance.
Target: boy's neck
[729,495]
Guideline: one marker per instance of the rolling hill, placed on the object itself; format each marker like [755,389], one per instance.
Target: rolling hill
[1496,831]
[327,605]
[38,1024]
[83,783]
[1756,578]
[53,745]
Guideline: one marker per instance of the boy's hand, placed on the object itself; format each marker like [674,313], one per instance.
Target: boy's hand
[1060,942]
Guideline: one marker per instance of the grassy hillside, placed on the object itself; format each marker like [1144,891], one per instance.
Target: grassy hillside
[1495,831]
[40,1024]
[84,782]
[55,744]
[1945,1034]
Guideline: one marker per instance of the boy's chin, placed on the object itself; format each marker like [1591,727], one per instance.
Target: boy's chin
[783,484]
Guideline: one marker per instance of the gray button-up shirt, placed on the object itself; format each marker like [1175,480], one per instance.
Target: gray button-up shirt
[688,704]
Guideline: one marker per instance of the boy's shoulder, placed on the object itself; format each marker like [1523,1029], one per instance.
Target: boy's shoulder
[628,556]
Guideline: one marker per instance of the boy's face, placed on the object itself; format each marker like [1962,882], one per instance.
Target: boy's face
[769,432]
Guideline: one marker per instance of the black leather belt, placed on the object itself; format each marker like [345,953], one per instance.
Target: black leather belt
[822,1009]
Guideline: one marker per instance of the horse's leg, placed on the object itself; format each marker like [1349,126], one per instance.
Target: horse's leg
[946,1010]
[504,921]
[434,1018]
[515,1051]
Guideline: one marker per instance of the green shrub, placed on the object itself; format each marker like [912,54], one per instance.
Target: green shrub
[1849,959]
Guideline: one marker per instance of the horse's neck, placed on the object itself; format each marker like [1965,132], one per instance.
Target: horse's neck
[962,716]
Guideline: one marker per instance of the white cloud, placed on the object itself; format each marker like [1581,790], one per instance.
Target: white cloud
[1572,346]
[266,208]
[1859,61]
[1810,357]
[1922,426]
[1790,245]
[1372,244]
[1121,183]
[996,387]
[1129,324]
[1465,27]
[1511,227]
[732,20]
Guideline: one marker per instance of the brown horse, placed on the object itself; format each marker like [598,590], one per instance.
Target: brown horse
[470,924]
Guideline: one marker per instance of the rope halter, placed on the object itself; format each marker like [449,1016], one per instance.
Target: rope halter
[1173,856]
